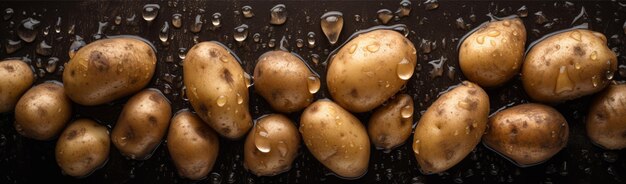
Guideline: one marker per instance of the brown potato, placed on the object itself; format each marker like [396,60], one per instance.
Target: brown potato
[527,134]
[336,138]
[217,89]
[369,69]
[451,127]
[390,125]
[15,78]
[82,148]
[493,54]
[271,146]
[43,111]
[108,69]
[193,145]
[568,65]
[606,122]
[142,124]
[282,79]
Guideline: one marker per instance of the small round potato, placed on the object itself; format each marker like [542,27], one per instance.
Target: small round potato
[283,80]
[370,68]
[493,54]
[336,138]
[391,124]
[15,78]
[108,69]
[193,145]
[451,127]
[527,134]
[43,111]
[217,89]
[606,122]
[142,124]
[271,146]
[568,65]
[82,148]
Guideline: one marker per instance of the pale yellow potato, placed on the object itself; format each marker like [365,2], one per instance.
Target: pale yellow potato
[82,148]
[271,146]
[43,111]
[606,121]
[15,78]
[390,125]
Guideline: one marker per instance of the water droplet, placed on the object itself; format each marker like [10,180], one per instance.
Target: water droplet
[164,32]
[384,15]
[522,11]
[239,99]
[405,69]
[261,142]
[256,37]
[247,79]
[271,43]
[8,13]
[437,67]
[57,26]
[493,33]
[416,147]
[282,148]
[577,66]
[216,19]
[310,39]
[177,20]
[27,30]
[299,43]
[241,33]
[71,29]
[51,65]
[13,45]
[609,74]
[44,49]
[563,82]
[352,48]
[506,23]
[593,55]
[247,11]
[540,18]
[76,44]
[405,8]
[46,30]
[332,24]
[150,12]
[197,24]
[492,42]
[118,20]
[278,14]
[407,111]
[313,83]
[182,52]
[221,101]
[373,47]
[431,4]
[460,23]
[575,35]
[480,39]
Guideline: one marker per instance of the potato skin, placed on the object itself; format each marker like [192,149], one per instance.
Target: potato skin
[281,78]
[15,78]
[217,89]
[336,138]
[193,145]
[494,53]
[142,124]
[606,122]
[388,127]
[279,139]
[82,148]
[108,69]
[451,127]
[43,111]
[568,65]
[364,72]
[527,134]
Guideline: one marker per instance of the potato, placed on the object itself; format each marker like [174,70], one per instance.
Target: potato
[606,122]
[450,128]
[43,111]
[108,69]
[527,134]
[568,65]
[285,81]
[493,54]
[82,148]
[142,124]
[217,89]
[336,138]
[271,146]
[15,78]
[193,145]
[391,124]
[369,69]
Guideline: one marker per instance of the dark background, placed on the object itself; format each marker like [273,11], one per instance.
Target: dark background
[24,160]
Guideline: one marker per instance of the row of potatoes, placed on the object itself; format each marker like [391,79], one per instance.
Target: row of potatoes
[366,74]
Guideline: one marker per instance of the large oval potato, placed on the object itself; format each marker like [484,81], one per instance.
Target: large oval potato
[217,89]
[390,125]
[451,127]
[108,69]
[193,145]
[606,122]
[336,138]
[15,78]
[493,54]
[527,134]
[369,69]
[43,111]
[282,79]
[568,65]
[271,145]
[82,148]
[142,124]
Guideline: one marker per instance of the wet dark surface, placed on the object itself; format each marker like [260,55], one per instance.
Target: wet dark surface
[24,160]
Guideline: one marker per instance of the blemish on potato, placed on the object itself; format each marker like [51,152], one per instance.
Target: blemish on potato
[227,76]
[9,68]
[98,60]
[152,120]
[75,133]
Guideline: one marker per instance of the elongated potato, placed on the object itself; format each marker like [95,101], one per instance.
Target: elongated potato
[142,124]
[271,145]
[606,122]
[369,69]
[527,134]
[15,78]
[108,69]
[391,124]
[568,65]
[82,148]
[193,145]
[217,89]
[43,111]
[336,138]
[451,127]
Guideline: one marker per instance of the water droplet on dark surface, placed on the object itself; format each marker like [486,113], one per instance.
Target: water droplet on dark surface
[278,14]
[27,30]
[150,12]
[332,24]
